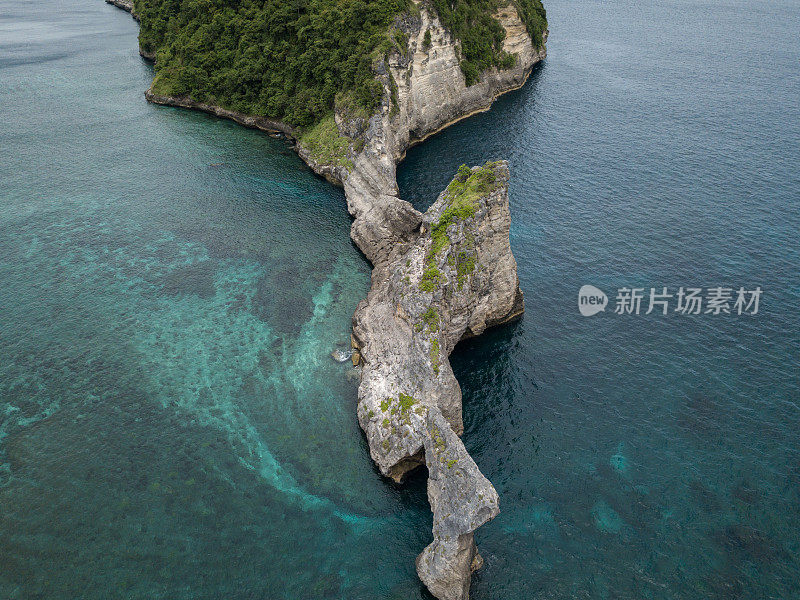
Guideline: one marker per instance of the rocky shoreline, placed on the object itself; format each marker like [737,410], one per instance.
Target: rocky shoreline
[453,280]
[270,126]
[437,277]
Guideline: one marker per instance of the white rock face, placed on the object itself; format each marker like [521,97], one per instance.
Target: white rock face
[462,500]
[431,94]
[409,400]
[427,294]
[403,332]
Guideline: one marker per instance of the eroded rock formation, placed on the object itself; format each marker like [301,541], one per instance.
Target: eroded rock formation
[454,279]
[437,278]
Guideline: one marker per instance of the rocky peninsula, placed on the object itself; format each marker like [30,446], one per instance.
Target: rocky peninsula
[437,278]
[456,277]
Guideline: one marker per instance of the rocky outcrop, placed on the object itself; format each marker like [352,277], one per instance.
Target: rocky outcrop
[462,500]
[437,278]
[455,278]
[426,91]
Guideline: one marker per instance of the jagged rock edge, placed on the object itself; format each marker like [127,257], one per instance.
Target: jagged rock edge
[383,222]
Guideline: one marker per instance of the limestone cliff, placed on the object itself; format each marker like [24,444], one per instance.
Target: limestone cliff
[454,279]
[437,278]
[426,91]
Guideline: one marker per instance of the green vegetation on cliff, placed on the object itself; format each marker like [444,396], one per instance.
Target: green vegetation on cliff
[326,145]
[481,35]
[534,16]
[274,58]
[290,59]
[462,195]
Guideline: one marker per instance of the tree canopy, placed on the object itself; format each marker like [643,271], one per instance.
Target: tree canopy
[287,59]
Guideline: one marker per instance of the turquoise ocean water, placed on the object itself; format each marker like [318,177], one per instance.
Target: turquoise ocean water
[171,286]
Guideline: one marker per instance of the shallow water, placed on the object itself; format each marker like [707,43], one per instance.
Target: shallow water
[172,424]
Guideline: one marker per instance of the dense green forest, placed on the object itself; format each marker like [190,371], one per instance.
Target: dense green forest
[287,59]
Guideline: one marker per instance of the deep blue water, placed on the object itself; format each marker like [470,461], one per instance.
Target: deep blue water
[171,423]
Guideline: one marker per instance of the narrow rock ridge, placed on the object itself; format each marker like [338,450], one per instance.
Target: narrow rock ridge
[422,302]
[457,277]
[437,278]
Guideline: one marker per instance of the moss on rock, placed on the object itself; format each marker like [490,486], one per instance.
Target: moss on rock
[326,145]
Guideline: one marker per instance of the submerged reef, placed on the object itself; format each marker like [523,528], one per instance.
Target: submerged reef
[438,277]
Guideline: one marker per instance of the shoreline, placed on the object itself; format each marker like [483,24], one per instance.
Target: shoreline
[269,126]
[273,126]
[403,332]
